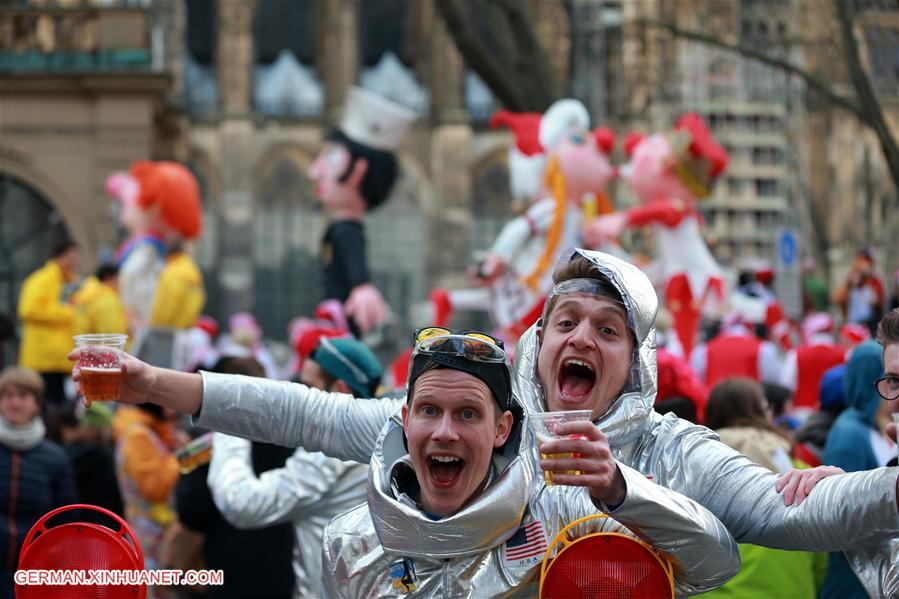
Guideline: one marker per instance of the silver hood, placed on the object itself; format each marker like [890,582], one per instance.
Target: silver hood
[635,404]
[485,523]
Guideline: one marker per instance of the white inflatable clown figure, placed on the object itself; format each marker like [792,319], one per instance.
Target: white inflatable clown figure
[669,173]
[354,174]
[517,272]
[161,209]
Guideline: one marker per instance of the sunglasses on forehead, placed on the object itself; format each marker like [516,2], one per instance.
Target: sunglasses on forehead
[472,345]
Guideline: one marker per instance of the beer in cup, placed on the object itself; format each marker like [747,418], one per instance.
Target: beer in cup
[195,454]
[543,426]
[100,363]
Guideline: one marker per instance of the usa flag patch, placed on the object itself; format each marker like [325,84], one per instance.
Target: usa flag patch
[527,545]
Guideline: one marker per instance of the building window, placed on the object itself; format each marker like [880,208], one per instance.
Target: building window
[286,83]
[200,87]
[766,188]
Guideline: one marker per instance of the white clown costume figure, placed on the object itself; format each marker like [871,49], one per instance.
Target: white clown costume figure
[669,173]
[560,161]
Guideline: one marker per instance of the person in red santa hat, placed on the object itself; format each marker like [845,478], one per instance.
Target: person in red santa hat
[805,365]
[516,274]
[669,173]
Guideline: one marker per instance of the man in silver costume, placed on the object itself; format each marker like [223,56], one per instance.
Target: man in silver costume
[310,488]
[446,516]
[856,513]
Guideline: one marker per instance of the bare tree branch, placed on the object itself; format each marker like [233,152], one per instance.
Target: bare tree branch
[517,70]
[810,80]
[493,72]
[862,83]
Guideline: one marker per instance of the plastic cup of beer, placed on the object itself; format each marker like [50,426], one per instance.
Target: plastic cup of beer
[543,426]
[195,454]
[100,362]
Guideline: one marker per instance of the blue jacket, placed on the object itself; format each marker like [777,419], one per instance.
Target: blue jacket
[849,447]
[32,483]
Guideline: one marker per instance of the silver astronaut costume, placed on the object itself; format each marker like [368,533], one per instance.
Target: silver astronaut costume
[855,512]
[373,549]
[307,491]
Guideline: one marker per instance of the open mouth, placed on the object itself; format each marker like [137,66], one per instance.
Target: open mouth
[576,380]
[444,470]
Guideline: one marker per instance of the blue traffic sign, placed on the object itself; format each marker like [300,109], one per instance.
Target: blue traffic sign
[788,248]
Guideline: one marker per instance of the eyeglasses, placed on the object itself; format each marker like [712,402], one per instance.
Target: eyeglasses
[887,387]
[479,347]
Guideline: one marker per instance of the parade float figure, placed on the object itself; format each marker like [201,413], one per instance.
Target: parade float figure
[669,173]
[161,209]
[516,274]
[353,174]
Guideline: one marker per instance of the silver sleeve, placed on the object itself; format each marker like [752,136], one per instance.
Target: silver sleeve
[250,501]
[846,511]
[294,415]
[704,553]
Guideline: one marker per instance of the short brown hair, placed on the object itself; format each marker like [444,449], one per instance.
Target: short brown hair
[888,328]
[582,268]
[24,378]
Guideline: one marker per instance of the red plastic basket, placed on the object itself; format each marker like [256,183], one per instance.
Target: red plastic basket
[604,565]
[81,546]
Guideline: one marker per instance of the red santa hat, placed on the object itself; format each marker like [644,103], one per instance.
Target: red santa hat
[209,325]
[525,126]
[853,333]
[527,161]
[815,323]
[702,159]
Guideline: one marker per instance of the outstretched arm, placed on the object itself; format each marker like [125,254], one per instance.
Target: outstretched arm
[288,414]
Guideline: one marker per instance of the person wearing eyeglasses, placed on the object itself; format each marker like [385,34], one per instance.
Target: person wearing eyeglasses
[452,509]
[857,442]
[597,353]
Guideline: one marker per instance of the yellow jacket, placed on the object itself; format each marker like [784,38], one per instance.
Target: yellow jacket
[48,322]
[180,294]
[100,309]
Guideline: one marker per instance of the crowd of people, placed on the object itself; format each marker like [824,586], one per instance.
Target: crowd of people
[258,503]
[749,449]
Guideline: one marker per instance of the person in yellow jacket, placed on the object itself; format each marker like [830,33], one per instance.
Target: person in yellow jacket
[180,294]
[100,308]
[48,319]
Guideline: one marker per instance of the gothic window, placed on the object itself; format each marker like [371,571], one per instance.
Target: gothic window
[200,86]
[382,29]
[286,83]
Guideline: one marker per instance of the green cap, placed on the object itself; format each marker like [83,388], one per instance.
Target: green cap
[350,361]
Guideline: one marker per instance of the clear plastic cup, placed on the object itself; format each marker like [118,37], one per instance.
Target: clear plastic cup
[100,362]
[543,426]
